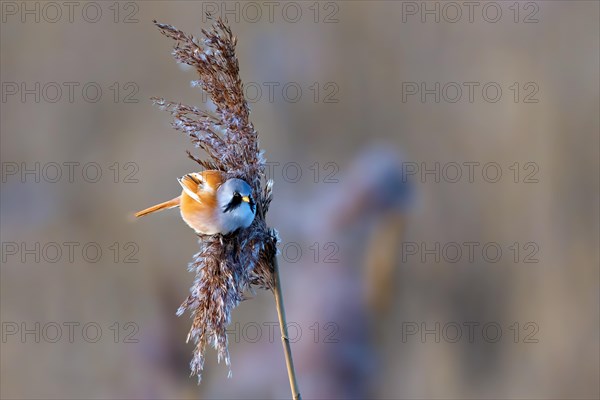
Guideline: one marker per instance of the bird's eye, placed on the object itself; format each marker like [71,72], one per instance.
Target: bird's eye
[236,194]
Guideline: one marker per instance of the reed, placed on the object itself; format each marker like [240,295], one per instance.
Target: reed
[227,266]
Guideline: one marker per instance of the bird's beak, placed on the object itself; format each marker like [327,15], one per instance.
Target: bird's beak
[246,199]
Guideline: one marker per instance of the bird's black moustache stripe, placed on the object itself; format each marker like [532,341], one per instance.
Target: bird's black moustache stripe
[233,204]
[236,201]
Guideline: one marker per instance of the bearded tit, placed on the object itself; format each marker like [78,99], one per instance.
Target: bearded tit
[209,204]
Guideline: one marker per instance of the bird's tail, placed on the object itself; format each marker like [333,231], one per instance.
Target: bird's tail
[162,206]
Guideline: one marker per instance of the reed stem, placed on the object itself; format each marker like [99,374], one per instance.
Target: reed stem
[284,332]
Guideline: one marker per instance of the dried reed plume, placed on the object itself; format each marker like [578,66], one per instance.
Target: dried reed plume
[227,265]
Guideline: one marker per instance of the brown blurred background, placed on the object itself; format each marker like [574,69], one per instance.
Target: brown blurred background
[375,314]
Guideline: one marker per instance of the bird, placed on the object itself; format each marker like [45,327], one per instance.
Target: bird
[211,204]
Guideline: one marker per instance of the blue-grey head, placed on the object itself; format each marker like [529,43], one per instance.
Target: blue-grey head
[236,205]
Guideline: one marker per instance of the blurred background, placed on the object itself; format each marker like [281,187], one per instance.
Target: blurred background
[436,171]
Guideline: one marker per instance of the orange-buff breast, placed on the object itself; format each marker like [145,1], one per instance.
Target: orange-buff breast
[200,216]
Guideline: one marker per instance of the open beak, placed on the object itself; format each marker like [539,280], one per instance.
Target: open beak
[246,199]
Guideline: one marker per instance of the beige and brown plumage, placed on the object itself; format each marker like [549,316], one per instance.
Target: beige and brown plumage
[204,208]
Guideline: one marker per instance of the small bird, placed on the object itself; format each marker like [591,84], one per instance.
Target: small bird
[209,204]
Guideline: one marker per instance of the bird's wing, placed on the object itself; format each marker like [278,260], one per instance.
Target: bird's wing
[190,184]
[211,179]
[203,186]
